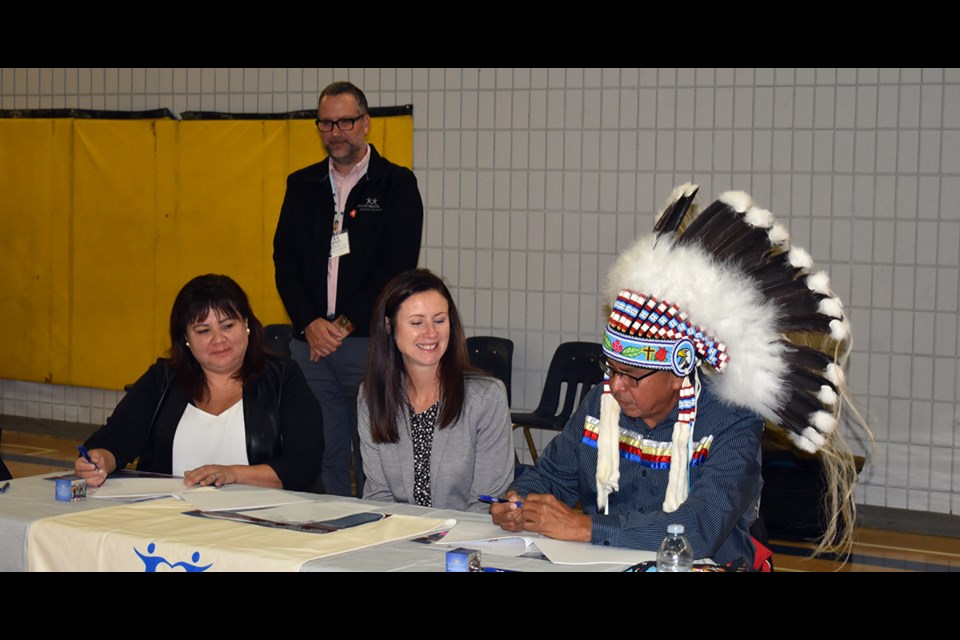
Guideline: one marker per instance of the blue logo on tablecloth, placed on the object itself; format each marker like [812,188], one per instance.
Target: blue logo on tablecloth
[151,562]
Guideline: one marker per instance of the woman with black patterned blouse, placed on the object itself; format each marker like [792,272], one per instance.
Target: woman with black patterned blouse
[433,431]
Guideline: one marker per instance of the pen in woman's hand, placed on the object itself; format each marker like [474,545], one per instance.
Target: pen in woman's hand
[493,500]
[86,456]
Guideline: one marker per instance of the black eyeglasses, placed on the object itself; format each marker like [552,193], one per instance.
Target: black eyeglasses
[344,124]
[610,372]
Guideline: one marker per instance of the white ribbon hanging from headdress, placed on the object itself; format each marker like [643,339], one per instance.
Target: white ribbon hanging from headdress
[608,448]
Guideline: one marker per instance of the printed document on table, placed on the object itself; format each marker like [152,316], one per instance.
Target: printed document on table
[232,498]
[489,538]
[139,488]
[556,551]
[240,499]
[566,552]
[512,546]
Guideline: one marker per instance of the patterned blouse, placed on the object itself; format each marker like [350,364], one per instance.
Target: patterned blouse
[421,432]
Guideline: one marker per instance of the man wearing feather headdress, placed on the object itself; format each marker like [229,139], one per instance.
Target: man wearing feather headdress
[716,325]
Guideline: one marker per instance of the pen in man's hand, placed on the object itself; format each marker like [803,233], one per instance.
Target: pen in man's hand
[86,456]
[3,489]
[493,500]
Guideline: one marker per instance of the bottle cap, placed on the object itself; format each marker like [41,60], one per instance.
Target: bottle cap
[675,528]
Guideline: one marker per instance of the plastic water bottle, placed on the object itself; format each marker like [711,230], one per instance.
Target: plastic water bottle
[675,554]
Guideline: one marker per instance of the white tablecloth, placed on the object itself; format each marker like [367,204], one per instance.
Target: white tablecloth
[30,499]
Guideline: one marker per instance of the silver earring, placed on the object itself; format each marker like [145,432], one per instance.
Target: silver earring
[187,343]
[248,330]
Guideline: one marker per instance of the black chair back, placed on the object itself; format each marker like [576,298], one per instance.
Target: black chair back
[278,338]
[574,370]
[493,355]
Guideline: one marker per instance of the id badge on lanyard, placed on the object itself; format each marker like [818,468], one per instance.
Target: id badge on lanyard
[340,240]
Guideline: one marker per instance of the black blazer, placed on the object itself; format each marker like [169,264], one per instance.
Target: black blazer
[281,417]
[384,220]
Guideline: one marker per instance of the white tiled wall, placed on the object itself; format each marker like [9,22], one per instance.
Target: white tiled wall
[534,179]
[57,402]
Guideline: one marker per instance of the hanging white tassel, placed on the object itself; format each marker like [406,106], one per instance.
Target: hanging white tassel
[679,463]
[608,450]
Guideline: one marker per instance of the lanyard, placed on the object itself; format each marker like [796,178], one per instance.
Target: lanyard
[338,212]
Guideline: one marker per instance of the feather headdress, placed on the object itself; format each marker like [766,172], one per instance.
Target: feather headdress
[731,269]
[761,321]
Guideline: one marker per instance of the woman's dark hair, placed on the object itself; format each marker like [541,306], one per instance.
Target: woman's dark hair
[193,303]
[384,381]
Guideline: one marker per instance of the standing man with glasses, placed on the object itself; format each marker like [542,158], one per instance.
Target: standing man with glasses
[347,226]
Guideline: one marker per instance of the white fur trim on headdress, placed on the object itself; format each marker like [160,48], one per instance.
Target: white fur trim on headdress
[814,437]
[760,218]
[835,374]
[840,329]
[739,201]
[779,235]
[819,282]
[725,302]
[800,442]
[799,258]
[823,421]
[831,307]
[827,396]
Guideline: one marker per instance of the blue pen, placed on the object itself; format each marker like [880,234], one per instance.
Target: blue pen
[86,456]
[493,500]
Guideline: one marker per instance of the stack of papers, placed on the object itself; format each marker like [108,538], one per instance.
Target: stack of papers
[490,539]
[511,546]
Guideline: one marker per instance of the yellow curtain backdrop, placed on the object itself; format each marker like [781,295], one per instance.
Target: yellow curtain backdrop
[102,222]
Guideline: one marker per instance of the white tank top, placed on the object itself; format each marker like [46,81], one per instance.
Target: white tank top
[203,438]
